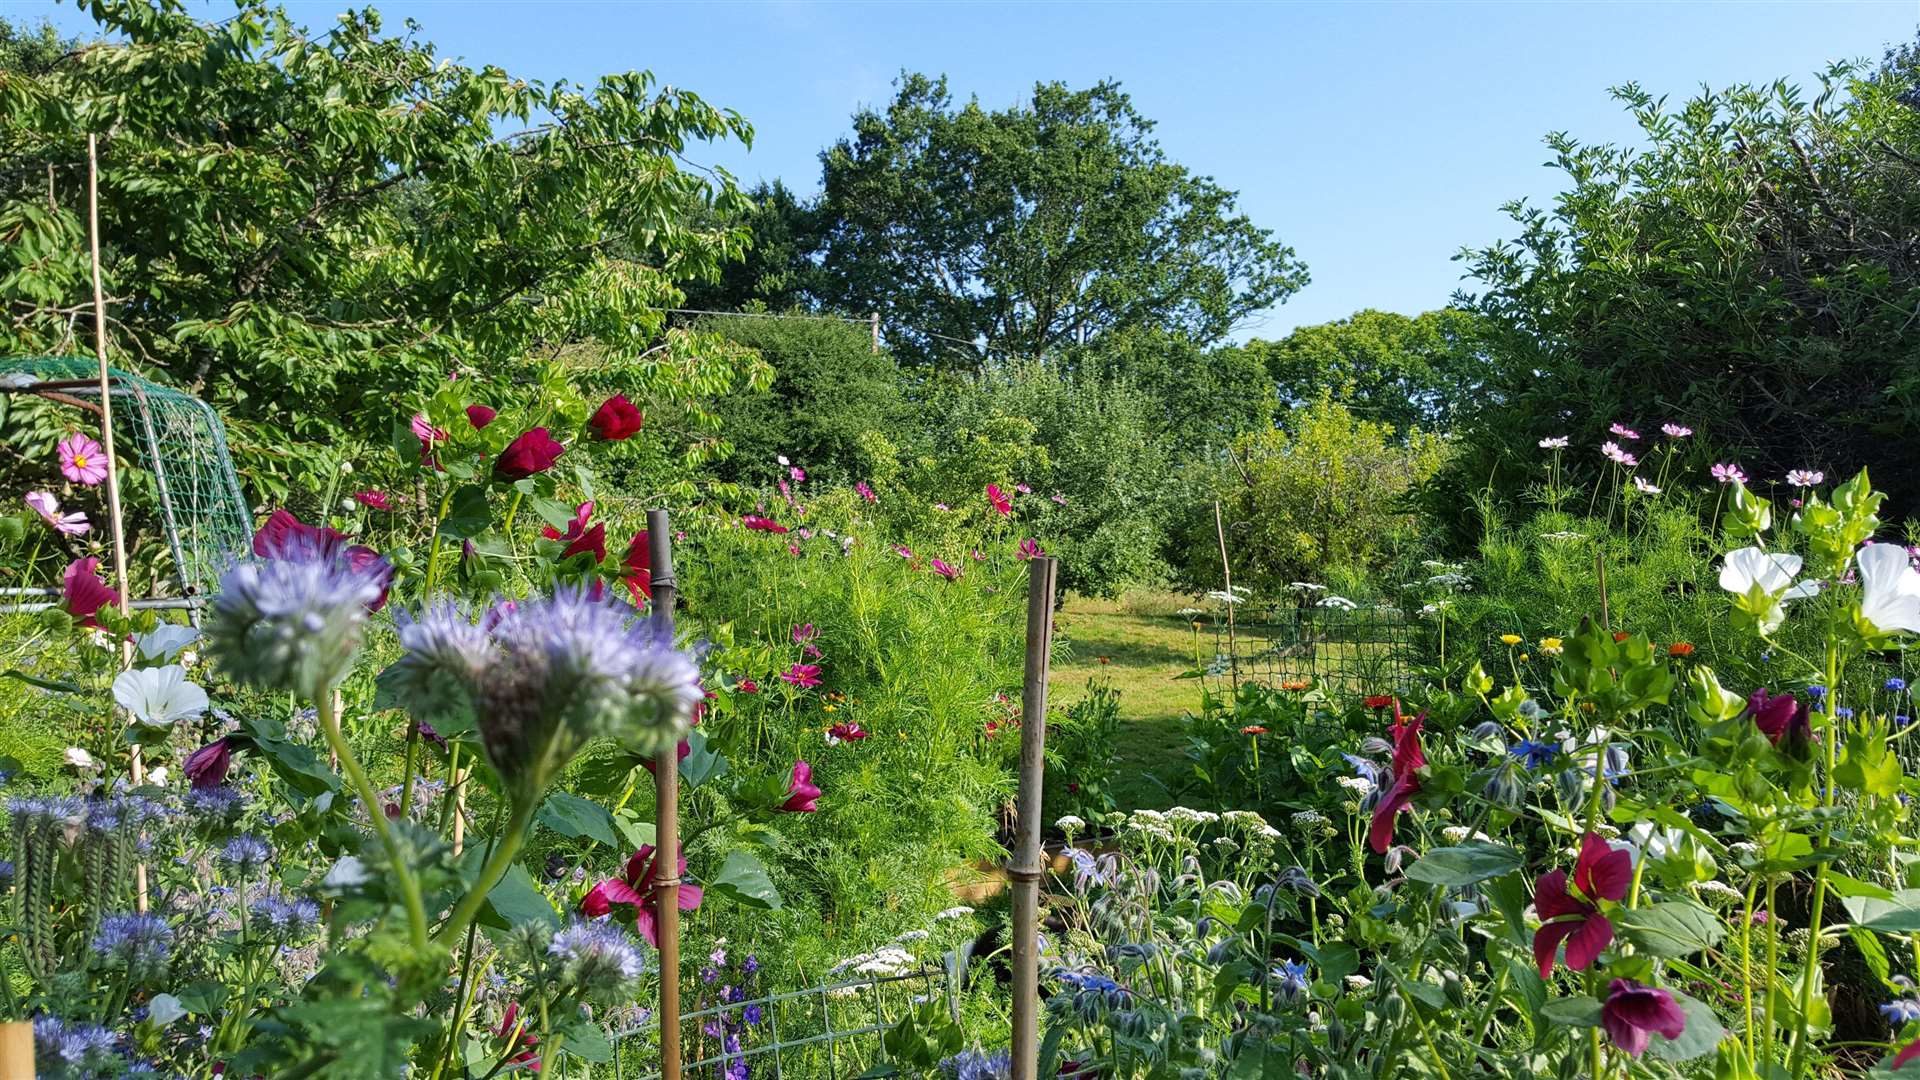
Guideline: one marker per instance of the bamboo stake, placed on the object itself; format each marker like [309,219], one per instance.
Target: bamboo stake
[118,523]
[666,782]
[1226,573]
[1025,868]
[16,1050]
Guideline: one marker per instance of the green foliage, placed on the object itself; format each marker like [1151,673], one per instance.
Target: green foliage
[1405,372]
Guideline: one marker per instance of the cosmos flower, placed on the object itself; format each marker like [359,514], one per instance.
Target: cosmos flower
[802,794]
[1675,431]
[373,500]
[1616,455]
[1645,486]
[1623,431]
[635,887]
[805,632]
[866,492]
[1803,478]
[845,733]
[1600,873]
[1030,549]
[762,524]
[1556,442]
[1001,504]
[804,676]
[44,504]
[1729,473]
[616,419]
[951,573]
[283,536]
[424,430]
[1634,1012]
[1750,568]
[82,593]
[81,459]
[1408,759]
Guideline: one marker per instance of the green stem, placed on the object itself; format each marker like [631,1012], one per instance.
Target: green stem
[1820,872]
[496,868]
[402,872]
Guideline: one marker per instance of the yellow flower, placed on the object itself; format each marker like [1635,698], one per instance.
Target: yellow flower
[1586,707]
[1524,658]
[826,708]
[1551,646]
[1510,639]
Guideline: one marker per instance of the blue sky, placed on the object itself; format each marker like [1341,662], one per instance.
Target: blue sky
[1376,139]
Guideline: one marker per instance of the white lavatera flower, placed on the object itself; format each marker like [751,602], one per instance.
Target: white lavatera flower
[159,696]
[1772,571]
[165,640]
[1889,588]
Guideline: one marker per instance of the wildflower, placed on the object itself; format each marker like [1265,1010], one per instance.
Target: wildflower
[804,676]
[283,536]
[1901,1011]
[138,942]
[479,416]
[1408,758]
[1772,573]
[1803,478]
[951,573]
[1889,589]
[1290,980]
[759,523]
[615,420]
[1510,639]
[1600,873]
[845,733]
[1552,646]
[246,853]
[1555,442]
[1070,824]
[805,632]
[294,623]
[82,593]
[1533,754]
[636,888]
[639,564]
[1030,549]
[1339,602]
[1359,984]
[1292,685]
[1907,1053]
[1634,1012]
[1729,473]
[44,504]
[865,492]
[529,454]
[998,499]
[1058,498]
[951,913]
[158,697]
[1779,715]
[1253,729]
[207,767]
[286,917]
[1623,430]
[1675,431]
[1645,486]
[1611,450]
[978,1065]
[747,686]
[82,460]
[373,499]
[802,794]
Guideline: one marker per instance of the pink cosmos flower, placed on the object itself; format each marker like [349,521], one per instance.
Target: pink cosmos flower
[374,500]
[1634,1012]
[799,474]
[1030,549]
[1729,473]
[846,733]
[1600,873]
[759,523]
[1805,477]
[942,507]
[1059,498]
[802,794]
[283,536]
[804,676]
[977,555]
[805,632]
[1022,488]
[428,435]
[1623,431]
[44,504]
[1645,486]
[1001,504]
[866,492]
[903,551]
[1616,455]
[951,573]
[747,686]
[1675,431]
[82,460]
[575,528]
[83,594]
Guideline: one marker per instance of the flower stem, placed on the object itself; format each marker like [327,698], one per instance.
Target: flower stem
[496,868]
[402,872]
[1820,872]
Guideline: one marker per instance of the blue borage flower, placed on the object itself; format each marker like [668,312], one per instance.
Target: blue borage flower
[1290,980]
[1901,1011]
[1535,755]
[293,622]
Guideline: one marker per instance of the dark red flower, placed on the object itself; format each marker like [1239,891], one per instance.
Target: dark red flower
[802,795]
[1600,873]
[635,887]
[83,594]
[529,454]
[1907,1053]
[640,567]
[1780,716]
[1634,1012]
[1378,701]
[373,500]
[207,767]
[284,536]
[1408,759]
[593,542]
[841,733]
[519,1038]
[480,416]
[615,419]
[652,764]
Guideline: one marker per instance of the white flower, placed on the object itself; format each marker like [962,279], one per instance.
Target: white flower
[1070,824]
[158,777]
[346,468]
[1805,477]
[1340,602]
[189,658]
[158,697]
[1306,586]
[1889,588]
[1564,534]
[1557,442]
[163,641]
[78,758]
[1305,818]
[911,936]
[953,913]
[1358,983]
[1359,785]
[1771,572]
[1223,597]
[1644,485]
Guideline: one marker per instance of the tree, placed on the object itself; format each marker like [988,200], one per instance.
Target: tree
[1403,371]
[980,233]
[313,229]
[776,272]
[1750,273]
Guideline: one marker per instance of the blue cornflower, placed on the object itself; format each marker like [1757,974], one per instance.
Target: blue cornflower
[1534,754]
[597,958]
[1901,1011]
[1896,684]
[1902,720]
[1816,691]
[246,853]
[1843,713]
[1290,980]
[139,942]
[751,1014]
[1086,981]
[293,622]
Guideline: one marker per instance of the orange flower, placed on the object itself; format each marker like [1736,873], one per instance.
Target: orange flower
[1293,684]
[1253,729]
[1378,701]
[1621,635]
[1681,649]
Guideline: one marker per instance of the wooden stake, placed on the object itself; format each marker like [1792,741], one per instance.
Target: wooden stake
[666,826]
[1226,573]
[16,1051]
[873,320]
[114,518]
[1024,867]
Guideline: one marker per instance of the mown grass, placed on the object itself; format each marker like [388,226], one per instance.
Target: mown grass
[1139,645]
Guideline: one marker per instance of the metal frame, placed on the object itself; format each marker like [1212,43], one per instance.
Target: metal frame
[1366,650]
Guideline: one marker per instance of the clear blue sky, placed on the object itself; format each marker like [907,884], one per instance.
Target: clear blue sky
[1376,139]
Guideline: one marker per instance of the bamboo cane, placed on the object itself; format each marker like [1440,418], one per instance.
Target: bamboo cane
[1226,573]
[666,854]
[114,518]
[1025,868]
[16,1051]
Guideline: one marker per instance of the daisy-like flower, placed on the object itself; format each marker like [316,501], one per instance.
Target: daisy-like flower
[1805,478]
[82,460]
[1675,431]
[373,500]
[1613,453]
[1646,486]
[44,504]
[1623,431]
[1556,442]
[1729,473]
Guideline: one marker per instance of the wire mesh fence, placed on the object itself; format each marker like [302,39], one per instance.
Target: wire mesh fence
[1344,651]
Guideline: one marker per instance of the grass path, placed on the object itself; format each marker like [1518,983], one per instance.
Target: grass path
[1139,648]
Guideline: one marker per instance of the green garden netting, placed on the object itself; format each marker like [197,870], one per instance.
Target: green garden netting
[174,436]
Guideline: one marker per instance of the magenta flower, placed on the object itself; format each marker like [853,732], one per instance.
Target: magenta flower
[846,733]
[866,492]
[977,555]
[530,453]
[799,474]
[1729,473]
[759,523]
[903,551]
[82,460]
[747,686]
[207,767]
[1022,488]
[804,633]
[1616,455]
[374,500]
[83,594]
[635,887]
[1780,716]
[428,435]
[44,504]
[1805,477]
[804,676]
[1001,504]
[1030,549]
[1623,431]
[951,573]
[616,419]
[802,794]
[1059,498]
[1634,1012]
[1675,431]
[1600,873]
[479,416]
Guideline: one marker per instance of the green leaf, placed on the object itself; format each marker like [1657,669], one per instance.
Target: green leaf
[518,900]
[743,879]
[1898,915]
[571,815]
[468,514]
[1580,1012]
[1702,1034]
[701,763]
[1466,864]
[584,1040]
[298,766]
[1670,929]
[44,684]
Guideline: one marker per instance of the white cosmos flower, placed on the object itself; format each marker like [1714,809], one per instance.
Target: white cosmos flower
[1773,572]
[158,697]
[1889,588]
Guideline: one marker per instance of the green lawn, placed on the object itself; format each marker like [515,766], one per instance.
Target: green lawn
[1138,645]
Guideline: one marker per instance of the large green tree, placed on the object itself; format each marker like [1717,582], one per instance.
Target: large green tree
[977,232]
[1403,371]
[312,227]
[1750,272]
